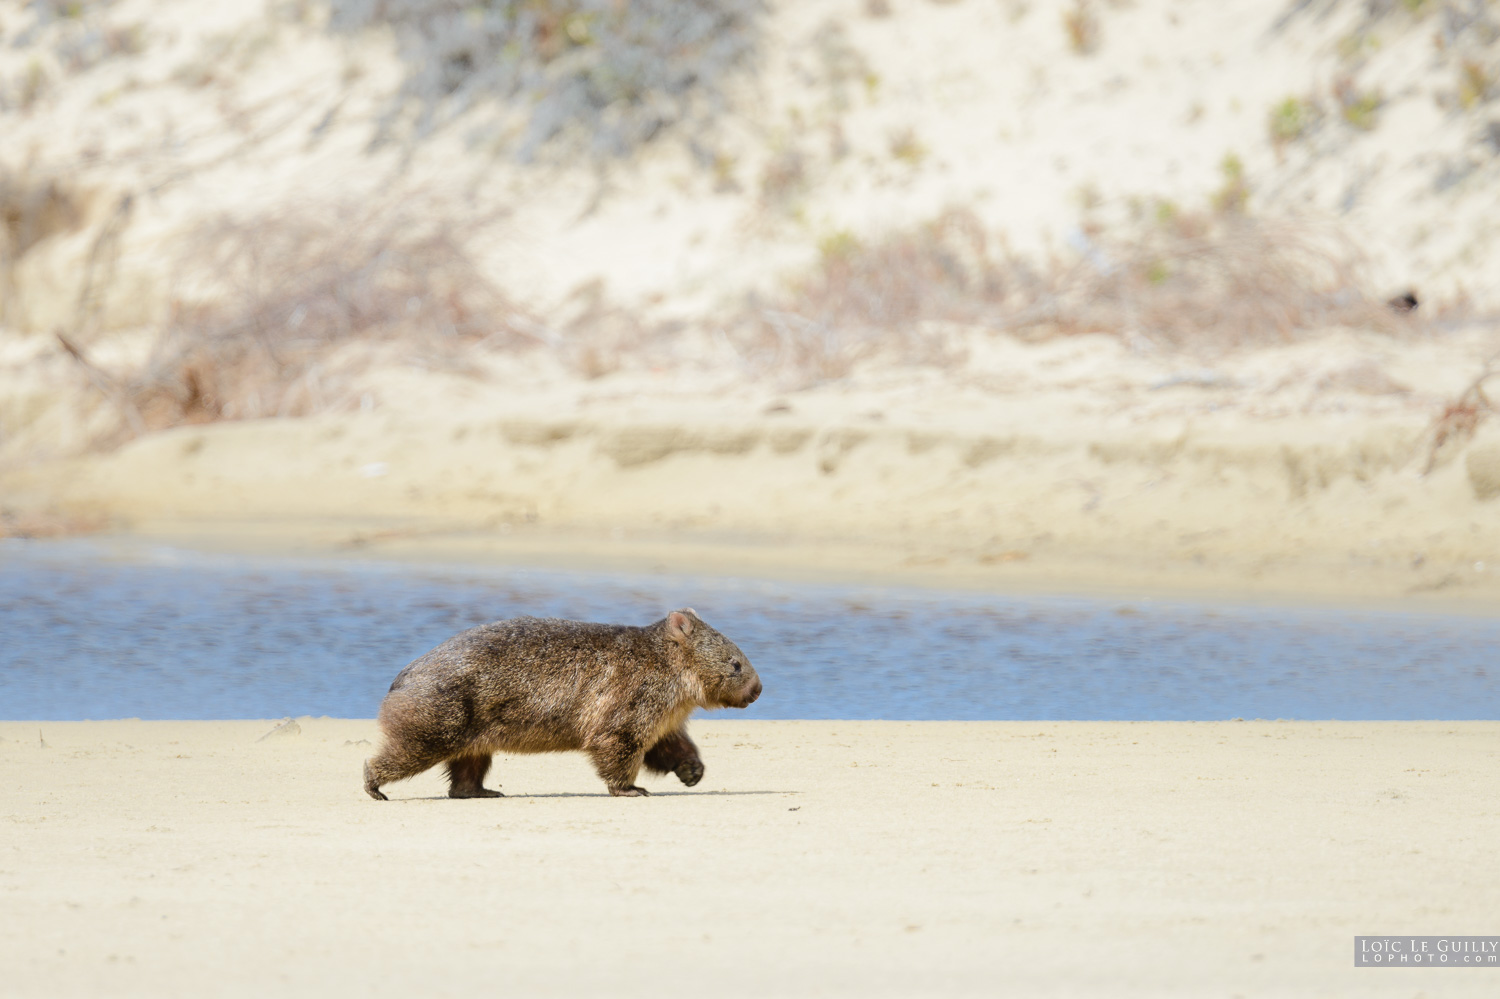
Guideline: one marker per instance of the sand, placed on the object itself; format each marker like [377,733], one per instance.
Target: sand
[816,858]
[1071,465]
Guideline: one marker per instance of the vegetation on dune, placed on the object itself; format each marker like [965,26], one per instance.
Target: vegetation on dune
[265,309]
[275,316]
[1464,35]
[264,306]
[1292,119]
[608,76]
[1196,281]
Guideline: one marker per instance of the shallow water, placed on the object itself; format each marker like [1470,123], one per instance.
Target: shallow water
[88,633]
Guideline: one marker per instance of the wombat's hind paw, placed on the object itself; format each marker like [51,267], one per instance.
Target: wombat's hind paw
[372,784]
[630,792]
[473,792]
[690,772]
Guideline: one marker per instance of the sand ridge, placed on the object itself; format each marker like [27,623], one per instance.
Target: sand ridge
[1081,463]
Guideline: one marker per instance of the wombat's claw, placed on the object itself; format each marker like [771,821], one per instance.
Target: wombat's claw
[482,792]
[630,792]
[375,793]
[690,772]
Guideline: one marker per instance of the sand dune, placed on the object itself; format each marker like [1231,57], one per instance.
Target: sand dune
[1003,459]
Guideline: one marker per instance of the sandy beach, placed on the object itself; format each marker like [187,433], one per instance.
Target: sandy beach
[816,858]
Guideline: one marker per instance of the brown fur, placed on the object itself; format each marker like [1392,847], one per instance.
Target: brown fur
[532,685]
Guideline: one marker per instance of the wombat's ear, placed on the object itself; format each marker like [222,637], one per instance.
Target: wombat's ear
[679,626]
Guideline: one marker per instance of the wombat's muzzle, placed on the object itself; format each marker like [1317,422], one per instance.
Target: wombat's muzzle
[742,698]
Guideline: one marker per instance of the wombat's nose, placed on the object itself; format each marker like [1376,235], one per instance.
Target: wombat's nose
[754,692]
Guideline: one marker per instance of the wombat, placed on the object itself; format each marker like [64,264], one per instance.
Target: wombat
[535,685]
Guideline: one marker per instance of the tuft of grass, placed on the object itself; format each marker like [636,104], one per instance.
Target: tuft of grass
[1476,83]
[1081,26]
[1357,106]
[1291,119]
[35,83]
[1234,193]
[907,148]
[724,166]
[839,245]
[783,179]
[842,68]
[1354,44]
[195,73]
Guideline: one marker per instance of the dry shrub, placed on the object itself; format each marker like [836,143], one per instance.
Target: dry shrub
[264,305]
[599,337]
[944,269]
[1213,282]
[272,316]
[866,298]
[1207,283]
[1456,425]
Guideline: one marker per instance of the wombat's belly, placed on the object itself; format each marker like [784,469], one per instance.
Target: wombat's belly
[527,739]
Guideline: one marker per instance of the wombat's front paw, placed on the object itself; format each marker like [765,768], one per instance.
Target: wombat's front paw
[690,772]
[630,792]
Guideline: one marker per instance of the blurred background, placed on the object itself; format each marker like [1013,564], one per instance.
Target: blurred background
[1122,298]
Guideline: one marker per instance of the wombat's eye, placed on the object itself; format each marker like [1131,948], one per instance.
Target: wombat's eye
[736,663]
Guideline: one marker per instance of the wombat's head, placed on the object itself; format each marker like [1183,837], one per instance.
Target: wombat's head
[729,681]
